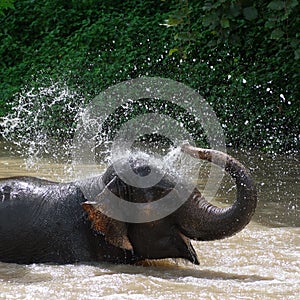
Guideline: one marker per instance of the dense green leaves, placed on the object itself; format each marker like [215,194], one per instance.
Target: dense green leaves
[250,13]
[277,5]
[242,56]
[255,44]
[5,4]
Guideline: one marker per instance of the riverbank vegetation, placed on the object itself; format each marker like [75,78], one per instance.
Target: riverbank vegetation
[242,56]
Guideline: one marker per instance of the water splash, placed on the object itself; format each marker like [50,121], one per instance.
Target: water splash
[41,125]
[40,122]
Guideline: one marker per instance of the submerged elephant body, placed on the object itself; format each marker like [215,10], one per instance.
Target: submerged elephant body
[43,221]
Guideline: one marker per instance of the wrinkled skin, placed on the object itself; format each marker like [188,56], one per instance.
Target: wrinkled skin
[43,221]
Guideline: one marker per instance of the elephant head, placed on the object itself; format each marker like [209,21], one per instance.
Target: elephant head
[195,219]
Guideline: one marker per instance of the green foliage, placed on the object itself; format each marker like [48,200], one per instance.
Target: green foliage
[5,4]
[227,21]
[247,54]
[242,56]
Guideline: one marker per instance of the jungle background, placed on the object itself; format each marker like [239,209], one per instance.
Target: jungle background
[242,56]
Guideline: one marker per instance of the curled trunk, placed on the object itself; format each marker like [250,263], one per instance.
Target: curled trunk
[200,220]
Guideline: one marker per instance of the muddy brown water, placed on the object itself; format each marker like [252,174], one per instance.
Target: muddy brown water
[261,262]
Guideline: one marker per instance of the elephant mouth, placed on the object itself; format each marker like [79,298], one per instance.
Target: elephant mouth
[191,253]
[172,243]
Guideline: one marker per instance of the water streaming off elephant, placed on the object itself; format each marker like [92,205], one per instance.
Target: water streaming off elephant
[261,262]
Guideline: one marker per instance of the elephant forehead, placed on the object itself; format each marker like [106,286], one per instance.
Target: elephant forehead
[124,168]
[143,195]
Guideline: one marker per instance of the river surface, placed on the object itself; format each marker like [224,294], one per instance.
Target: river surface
[261,262]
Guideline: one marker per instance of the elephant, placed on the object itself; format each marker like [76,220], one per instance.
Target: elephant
[42,221]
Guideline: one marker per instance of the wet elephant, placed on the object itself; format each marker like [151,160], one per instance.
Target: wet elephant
[43,221]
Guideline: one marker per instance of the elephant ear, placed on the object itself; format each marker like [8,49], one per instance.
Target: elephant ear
[114,231]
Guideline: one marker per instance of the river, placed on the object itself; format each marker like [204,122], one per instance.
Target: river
[261,262]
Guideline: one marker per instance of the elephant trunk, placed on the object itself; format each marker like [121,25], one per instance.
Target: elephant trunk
[200,220]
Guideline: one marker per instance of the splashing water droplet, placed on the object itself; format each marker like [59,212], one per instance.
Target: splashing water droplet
[40,123]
